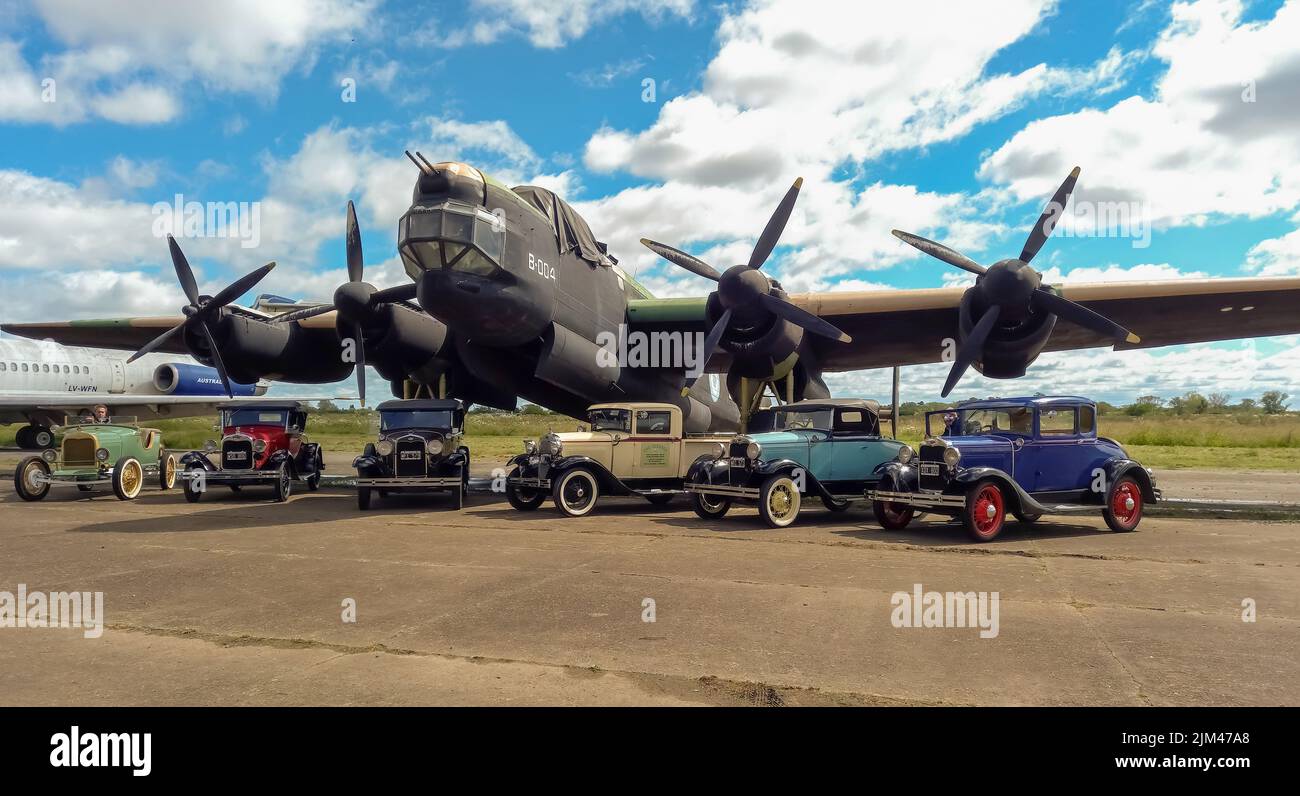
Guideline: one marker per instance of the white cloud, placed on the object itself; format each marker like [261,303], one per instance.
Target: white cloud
[1275,256]
[1216,140]
[127,61]
[545,23]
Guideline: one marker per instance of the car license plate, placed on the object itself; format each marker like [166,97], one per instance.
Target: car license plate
[408,456]
[737,461]
[929,468]
[237,456]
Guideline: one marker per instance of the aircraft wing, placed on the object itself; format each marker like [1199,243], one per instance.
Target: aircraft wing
[126,334]
[909,327]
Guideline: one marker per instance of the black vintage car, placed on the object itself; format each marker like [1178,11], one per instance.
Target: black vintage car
[419,450]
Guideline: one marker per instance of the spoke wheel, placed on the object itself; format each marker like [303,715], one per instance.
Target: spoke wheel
[128,478]
[985,512]
[779,501]
[892,516]
[523,499]
[167,471]
[25,478]
[710,507]
[576,492]
[1123,509]
[283,483]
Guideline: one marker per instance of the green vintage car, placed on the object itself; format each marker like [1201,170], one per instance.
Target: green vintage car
[119,453]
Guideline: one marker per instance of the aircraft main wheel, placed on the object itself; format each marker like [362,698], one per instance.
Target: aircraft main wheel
[710,507]
[363,498]
[25,478]
[523,499]
[836,506]
[167,470]
[283,483]
[660,500]
[778,501]
[1123,509]
[985,511]
[192,487]
[42,437]
[128,478]
[576,491]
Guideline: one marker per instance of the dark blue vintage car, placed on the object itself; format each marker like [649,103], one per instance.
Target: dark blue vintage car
[1026,456]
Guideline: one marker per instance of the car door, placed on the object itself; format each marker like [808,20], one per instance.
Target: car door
[854,447]
[1059,456]
[656,450]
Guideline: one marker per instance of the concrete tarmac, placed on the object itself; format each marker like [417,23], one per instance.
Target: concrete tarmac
[240,601]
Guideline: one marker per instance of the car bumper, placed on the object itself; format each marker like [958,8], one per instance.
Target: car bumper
[87,479]
[920,499]
[231,477]
[450,482]
[529,483]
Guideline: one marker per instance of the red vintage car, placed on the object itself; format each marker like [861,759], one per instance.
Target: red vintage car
[262,444]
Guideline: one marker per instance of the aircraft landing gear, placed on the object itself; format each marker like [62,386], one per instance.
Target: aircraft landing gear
[34,438]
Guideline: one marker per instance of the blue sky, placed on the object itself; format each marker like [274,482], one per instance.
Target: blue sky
[955,125]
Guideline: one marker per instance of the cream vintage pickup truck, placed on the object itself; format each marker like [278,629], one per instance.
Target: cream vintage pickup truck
[628,449]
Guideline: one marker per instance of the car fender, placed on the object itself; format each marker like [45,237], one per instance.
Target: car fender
[197,457]
[273,461]
[1018,499]
[367,462]
[1116,469]
[894,476]
[307,457]
[608,481]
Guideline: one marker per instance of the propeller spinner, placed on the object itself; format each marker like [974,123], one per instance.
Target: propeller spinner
[744,287]
[1011,290]
[202,309]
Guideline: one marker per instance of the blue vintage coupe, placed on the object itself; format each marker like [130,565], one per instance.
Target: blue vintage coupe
[1026,456]
[827,448]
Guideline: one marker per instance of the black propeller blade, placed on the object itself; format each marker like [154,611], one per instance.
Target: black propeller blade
[710,347]
[970,350]
[200,310]
[740,286]
[1011,289]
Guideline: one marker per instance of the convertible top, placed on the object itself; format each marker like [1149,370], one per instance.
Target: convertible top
[421,405]
[836,403]
[260,405]
[569,227]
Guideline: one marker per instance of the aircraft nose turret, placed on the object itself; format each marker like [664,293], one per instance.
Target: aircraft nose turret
[448,180]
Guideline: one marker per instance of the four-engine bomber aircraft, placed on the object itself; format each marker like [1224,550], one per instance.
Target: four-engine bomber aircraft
[512,295]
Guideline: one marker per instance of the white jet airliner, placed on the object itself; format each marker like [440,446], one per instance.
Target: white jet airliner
[42,384]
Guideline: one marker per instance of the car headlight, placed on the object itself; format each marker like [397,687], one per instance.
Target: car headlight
[753,450]
[49,455]
[384,447]
[905,454]
[951,456]
[719,450]
[433,447]
[209,446]
[102,454]
[530,447]
[259,446]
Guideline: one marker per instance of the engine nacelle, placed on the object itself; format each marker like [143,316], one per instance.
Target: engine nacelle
[181,378]
[1010,349]
[759,342]
[404,343]
[254,349]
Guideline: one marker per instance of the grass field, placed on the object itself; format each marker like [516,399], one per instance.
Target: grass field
[1210,441]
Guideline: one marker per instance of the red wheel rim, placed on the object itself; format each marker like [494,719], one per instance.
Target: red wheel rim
[987,522]
[895,511]
[1126,504]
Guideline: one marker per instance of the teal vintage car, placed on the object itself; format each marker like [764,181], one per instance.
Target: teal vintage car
[119,453]
[829,448]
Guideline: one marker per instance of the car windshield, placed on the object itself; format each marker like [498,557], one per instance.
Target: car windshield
[116,420]
[254,417]
[610,420]
[1017,420]
[431,419]
[794,420]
